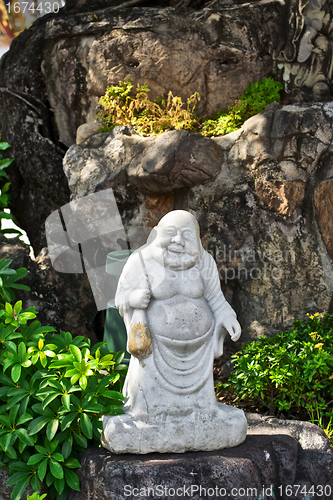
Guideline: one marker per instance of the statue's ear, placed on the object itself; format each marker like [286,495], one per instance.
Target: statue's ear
[152,235]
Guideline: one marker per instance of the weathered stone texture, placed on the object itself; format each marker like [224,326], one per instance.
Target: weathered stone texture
[214,52]
[253,202]
[275,454]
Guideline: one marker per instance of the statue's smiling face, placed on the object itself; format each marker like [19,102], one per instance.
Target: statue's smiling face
[177,243]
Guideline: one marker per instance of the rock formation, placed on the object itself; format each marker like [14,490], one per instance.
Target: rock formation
[262,195]
[263,201]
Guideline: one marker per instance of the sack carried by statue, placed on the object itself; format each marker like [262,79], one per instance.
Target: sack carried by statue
[139,342]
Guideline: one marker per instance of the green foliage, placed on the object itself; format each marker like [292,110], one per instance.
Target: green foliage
[118,107]
[254,100]
[54,390]
[4,196]
[8,278]
[292,371]
[35,496]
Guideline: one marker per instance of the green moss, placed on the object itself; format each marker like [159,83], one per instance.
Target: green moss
[120,107]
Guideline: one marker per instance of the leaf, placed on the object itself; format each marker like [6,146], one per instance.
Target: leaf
[56,469]
[59,485]
[72,480]
[35,459]
[16,372]
[35,482]
[16,477]
[112,394]
[50,398]
[42,469]
[20,487]
[72,463]
[20,466]
[24,418]
[37,424]
[80,439]
[67,446]
[86,425]
[13,413]
[24,437]
[11,452]
[66,401]
[76,352]
[5,421]
[52,428]
[58,457]
[83,382]
[5,441]
[67,420]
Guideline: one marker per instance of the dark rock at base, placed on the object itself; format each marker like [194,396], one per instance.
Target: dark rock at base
[275,454]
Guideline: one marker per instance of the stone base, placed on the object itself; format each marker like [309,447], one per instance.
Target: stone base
[193,431]
[276,457]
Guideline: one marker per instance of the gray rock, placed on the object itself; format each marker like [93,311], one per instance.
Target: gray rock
[275,454]
[174,160]
[215,52]
[173,46]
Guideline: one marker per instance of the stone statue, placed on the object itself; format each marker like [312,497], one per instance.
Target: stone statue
[176,318]
[304,48]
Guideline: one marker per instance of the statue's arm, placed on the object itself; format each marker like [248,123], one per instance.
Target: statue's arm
[132,291]
[224,315]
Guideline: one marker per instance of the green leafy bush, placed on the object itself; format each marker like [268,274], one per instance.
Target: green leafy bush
[8,278]
[118,107]
[54,390]
[290,372]
[4,196]
[254,100]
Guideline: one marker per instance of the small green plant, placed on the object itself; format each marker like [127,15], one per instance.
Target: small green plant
[4,196]
[8,278]
[36,496]
[254,100]
[119,107]
[290,372]
[54,390]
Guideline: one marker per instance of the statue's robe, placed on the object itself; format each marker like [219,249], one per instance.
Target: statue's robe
[184,316]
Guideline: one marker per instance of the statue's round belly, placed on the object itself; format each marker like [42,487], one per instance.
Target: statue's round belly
[179,317]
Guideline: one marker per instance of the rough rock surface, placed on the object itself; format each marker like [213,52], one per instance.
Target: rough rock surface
[174,160]
[64,301]
[214,52]
[303,49]
[51,78]
[275,454]
[264,206]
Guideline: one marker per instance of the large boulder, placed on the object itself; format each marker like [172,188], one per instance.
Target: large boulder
[263,201]
[277,459]
[214,52]
[54,73]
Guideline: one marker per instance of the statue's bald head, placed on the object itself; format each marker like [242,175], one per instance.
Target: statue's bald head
[180,218]
[177,240]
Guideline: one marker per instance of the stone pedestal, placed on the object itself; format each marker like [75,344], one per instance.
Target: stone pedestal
[276,457]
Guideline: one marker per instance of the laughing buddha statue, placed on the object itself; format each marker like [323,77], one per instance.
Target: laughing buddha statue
[176,318]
